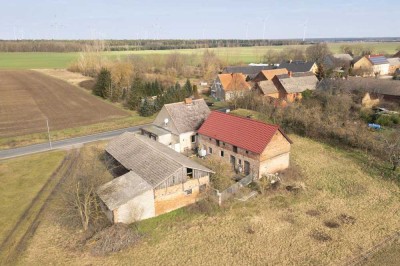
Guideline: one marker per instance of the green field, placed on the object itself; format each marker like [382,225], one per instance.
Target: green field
[21,179]
[230,55]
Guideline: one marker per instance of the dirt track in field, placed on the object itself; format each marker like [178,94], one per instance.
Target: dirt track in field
[28,97]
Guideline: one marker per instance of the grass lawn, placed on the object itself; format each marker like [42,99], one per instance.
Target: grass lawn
[232,55]
[21,179]
[389,256]
[278,227]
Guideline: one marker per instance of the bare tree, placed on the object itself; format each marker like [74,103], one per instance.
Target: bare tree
[79,190]
[317,52]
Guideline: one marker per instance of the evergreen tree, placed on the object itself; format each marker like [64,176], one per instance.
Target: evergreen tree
[103,83]
[135,94]
[188,88]
[146,108]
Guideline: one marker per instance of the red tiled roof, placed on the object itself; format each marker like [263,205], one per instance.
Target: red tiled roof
[242,132]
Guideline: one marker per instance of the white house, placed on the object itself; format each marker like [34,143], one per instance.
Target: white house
[177,123]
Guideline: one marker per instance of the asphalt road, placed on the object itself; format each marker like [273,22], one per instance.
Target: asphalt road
[64,144]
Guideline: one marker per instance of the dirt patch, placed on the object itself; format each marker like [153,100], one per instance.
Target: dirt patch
[113,239]
[346,219]
[313,213]
[332,224]
[320,236]
[29,99]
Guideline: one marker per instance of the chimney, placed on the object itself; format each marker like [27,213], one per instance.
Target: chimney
[188,101]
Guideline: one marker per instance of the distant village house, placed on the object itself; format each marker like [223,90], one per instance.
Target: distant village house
[228,86]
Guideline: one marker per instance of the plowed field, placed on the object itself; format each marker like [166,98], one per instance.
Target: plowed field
[29,98]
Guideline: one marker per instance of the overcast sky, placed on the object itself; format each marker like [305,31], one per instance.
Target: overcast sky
[173,19]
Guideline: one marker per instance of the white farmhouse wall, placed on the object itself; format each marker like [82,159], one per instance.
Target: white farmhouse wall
[165,139]
[160,121]
[185,140]
[139,208]
[381,69]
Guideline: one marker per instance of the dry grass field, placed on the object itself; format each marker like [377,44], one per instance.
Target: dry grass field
[342,211]
[27,98]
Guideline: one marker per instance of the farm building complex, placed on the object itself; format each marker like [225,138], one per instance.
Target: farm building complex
[176,124]
[252,147]
[157,179]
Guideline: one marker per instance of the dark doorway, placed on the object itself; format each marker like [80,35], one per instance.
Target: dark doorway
[246,168]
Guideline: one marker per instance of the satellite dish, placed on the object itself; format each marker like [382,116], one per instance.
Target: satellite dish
[166,121]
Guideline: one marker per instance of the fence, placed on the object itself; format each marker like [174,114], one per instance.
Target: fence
[224,195]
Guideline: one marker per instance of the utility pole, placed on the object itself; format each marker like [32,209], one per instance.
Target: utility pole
[48,132]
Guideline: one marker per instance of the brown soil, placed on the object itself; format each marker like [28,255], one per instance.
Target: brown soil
[28,97]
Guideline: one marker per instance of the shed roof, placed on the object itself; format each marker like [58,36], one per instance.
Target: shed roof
[188,117]
[269,74]
[379,86]
[242,132]
[122,189]
[267,87]
[151,160]
[233,82]
[158,131]
[297,66]
[298,82]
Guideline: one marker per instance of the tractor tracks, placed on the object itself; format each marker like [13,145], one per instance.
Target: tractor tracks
[16,241]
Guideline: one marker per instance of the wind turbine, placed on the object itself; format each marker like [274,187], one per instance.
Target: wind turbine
[264,26]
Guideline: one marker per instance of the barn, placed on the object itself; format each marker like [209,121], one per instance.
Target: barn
[250,146]
[157,180]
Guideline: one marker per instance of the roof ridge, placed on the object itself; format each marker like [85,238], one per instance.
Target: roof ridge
[245,118]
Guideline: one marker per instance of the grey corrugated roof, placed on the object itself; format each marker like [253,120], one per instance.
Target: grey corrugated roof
[122,189]
[246,70]
[297,66]
[267,87]
[158,131]
[188,117]
[151,160]
[380,86]
[298,83]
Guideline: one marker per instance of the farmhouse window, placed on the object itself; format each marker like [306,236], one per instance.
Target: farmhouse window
[193,138]
[222,154]
[235,149]
[217,143]
[188,192]
[210,150]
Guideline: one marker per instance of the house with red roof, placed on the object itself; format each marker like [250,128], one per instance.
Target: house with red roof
[251,146]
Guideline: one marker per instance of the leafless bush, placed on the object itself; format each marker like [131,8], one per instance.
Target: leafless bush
[113,239]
